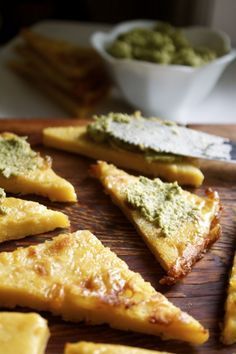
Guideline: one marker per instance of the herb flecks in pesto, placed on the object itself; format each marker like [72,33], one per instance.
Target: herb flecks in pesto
[164,204]
[156,139]
[102,131]
[99,129]
[17,157]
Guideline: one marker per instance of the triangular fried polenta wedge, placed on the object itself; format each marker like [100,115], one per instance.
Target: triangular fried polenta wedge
[178,250]
[20,218]
[76,277]
[23,333]
[24,171]
[229,329]
[95,348]
[76,139]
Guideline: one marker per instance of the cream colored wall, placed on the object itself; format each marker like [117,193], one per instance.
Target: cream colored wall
[224,17]
[216,13]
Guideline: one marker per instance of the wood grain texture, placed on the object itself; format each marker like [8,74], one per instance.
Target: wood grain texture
[202,293]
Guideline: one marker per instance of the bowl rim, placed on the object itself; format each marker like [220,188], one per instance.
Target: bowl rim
[99,36]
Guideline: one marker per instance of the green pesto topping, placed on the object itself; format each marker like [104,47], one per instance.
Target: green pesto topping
[17,157]
[152,156]
[163,204]
[101,132]
[162,44]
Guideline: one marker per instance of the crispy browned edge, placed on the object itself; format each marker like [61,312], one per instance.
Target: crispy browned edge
[184,265]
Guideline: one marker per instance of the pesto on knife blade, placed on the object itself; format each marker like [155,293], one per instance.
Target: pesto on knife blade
[102,131]
[157,139]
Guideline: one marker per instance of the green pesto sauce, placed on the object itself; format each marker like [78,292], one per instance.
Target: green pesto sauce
[163,204]
[162,44]
[100,132]
[17,157]
[99,129]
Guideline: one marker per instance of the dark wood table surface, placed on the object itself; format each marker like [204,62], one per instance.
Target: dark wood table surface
[202,293]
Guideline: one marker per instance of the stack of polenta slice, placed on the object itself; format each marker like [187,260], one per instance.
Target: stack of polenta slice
[73,77]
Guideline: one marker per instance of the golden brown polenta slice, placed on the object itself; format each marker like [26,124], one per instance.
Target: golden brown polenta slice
[23,333]
[76,277]
[229,329]
[20,218]
[76,139]
[178,226]
[24,171]
[100,348]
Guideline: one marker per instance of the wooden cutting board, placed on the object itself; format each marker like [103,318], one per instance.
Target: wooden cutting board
[202,293]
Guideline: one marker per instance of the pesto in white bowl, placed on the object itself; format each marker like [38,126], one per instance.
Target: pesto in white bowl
[160,89]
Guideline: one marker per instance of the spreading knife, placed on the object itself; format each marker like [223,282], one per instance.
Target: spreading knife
[166,137]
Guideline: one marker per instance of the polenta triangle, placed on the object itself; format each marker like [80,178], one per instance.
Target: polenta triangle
[76,277]
[20,218]
[22,333]
[22,170]
[95,348]
[229,328]
[76,139]
[177,226]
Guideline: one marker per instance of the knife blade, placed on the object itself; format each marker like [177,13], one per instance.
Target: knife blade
[165,137]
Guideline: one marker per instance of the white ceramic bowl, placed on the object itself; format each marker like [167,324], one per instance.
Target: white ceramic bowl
[168,91]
